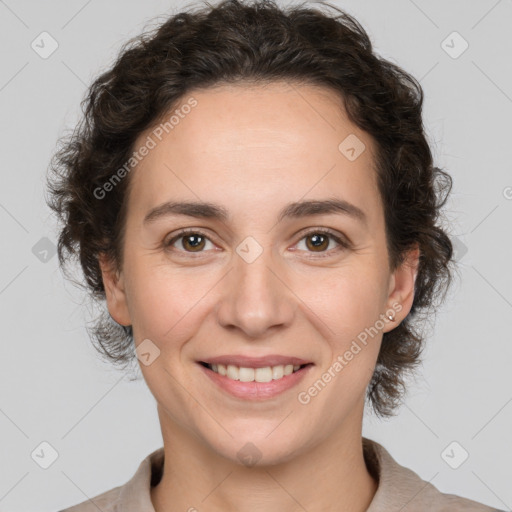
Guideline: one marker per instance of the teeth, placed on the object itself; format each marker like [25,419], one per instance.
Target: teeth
[244,374]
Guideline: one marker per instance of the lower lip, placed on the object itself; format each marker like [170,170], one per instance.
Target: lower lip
[256,390]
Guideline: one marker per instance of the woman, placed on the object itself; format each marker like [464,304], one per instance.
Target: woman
[252,193]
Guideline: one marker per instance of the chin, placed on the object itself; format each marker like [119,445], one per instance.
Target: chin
[259,450]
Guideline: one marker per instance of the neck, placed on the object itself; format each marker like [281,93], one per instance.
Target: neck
[330,476]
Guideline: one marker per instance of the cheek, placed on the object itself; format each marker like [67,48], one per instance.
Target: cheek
[349,304]
[347,300]
[162,305]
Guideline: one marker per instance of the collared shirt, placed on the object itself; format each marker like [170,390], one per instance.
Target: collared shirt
[399,488]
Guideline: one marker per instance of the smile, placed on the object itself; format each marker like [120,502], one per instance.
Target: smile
[246,374]
[255,384]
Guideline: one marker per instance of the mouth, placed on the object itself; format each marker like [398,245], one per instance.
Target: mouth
[254,374]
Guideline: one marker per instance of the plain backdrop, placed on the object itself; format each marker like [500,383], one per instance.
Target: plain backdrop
[54,389]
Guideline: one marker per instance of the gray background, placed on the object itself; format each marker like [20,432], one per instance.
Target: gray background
[53,387]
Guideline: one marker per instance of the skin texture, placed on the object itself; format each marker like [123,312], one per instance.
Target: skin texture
[253,150]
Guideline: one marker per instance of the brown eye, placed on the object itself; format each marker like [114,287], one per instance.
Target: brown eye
[196,242]
[191,242]
[319,242]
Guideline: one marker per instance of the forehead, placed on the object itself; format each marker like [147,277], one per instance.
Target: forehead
[248,146]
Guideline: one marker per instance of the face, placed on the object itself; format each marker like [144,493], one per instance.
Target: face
[262,280]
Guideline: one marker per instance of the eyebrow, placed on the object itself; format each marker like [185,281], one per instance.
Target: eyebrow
[299,209]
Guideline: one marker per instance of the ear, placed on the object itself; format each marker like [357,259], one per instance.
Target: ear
[114,291]
[401,288]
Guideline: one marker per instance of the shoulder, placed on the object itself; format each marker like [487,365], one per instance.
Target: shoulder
[106,502]
[436,501]
[133,496]
[400,488]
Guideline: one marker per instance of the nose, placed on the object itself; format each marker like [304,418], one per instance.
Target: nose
[256,297]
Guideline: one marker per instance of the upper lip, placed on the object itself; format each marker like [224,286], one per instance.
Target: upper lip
[255,362]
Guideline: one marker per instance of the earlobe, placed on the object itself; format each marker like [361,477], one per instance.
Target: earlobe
[115,294]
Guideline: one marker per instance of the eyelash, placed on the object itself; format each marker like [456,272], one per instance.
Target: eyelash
[342,242]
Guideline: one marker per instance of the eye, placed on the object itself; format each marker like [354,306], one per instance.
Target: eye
[320,239]
[193,241]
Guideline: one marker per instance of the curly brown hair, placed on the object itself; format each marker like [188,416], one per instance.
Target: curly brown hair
[236,42]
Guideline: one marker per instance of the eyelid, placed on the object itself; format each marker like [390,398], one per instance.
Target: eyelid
[326,231]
